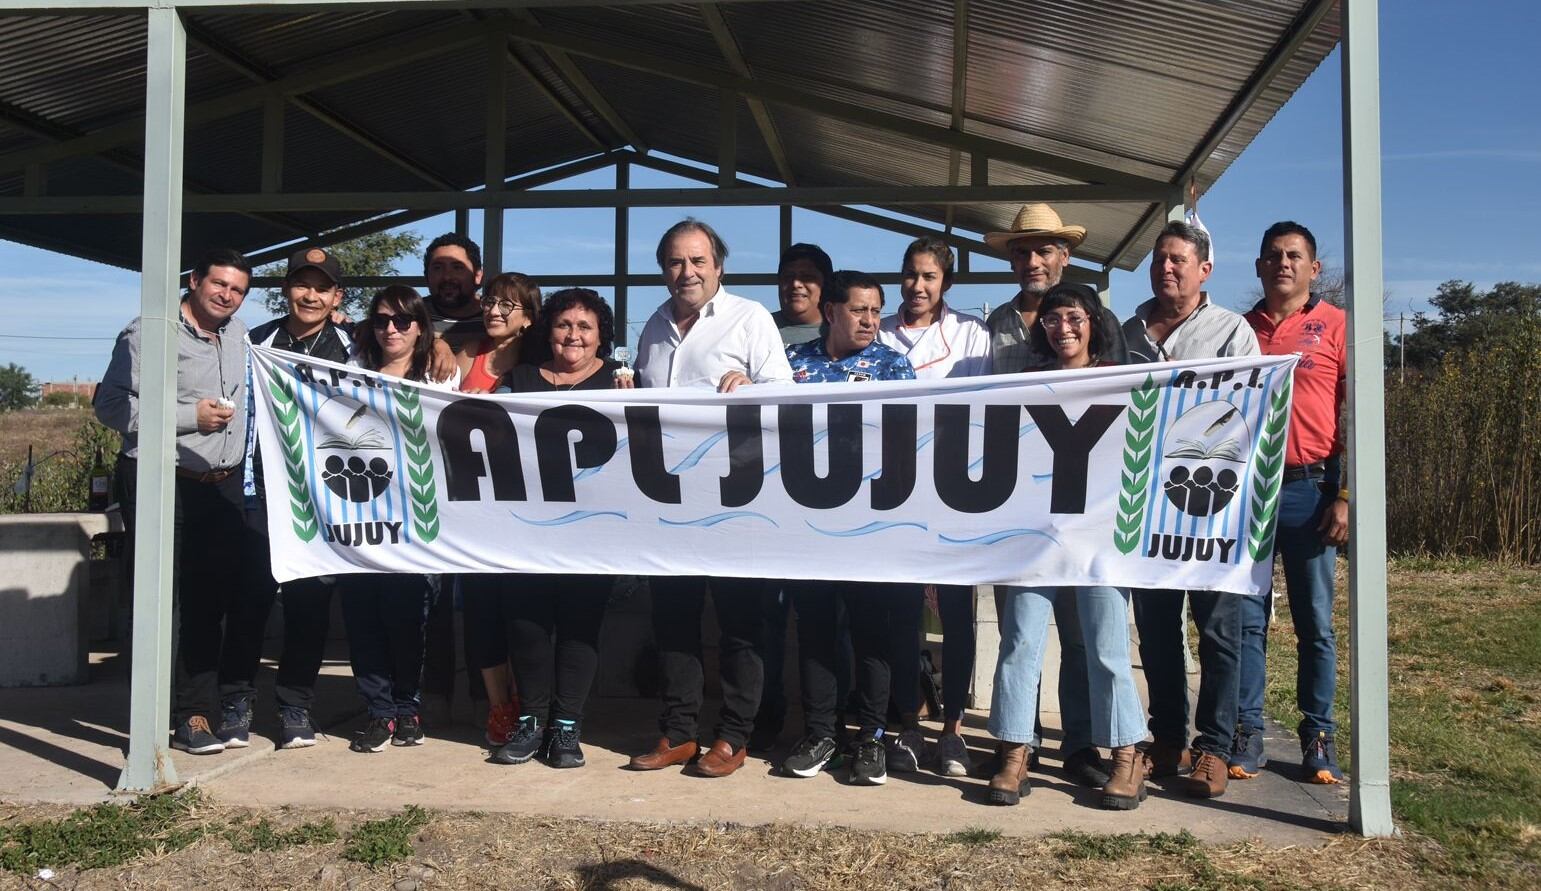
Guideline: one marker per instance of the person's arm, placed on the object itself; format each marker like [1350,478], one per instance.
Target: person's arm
[767,355]
[116,403]
[442,363]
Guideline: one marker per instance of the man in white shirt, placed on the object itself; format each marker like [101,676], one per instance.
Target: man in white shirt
[702,336]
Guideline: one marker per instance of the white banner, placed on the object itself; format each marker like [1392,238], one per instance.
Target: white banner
[1146,476]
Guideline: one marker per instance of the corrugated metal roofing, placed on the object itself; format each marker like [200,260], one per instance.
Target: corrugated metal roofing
[1134,87]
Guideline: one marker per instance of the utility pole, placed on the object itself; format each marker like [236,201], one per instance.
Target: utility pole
[1401,348]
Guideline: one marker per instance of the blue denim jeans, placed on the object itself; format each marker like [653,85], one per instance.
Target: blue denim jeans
[1159,618]
[1117,718]
[1308,583]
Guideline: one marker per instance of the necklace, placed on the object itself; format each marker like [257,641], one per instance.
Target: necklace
[583,373]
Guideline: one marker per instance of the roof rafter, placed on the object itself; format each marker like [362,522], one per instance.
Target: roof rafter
[585,87]
[734,55]
[959,94]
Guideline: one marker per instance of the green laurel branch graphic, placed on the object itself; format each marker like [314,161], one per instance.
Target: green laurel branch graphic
[420,485]
[1138,451]
[286,411]
[1268,475]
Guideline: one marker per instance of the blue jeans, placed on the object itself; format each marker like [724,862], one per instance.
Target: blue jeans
[1158,616]
[1117,718]
[1308,582]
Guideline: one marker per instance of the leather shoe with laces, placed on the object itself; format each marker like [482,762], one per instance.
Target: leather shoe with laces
[1208,779]
[664,755]
[721,759]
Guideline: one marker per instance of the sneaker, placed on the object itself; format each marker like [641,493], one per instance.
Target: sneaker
[409,731]
[295,730]
[1319,760]
[194,736]
[952,756]
[522,746]
[235,723]
[500,724]
[904,750]
[561,749]
[375,737]
[1247,756]
[869,765]
[1085,766]
[809,756]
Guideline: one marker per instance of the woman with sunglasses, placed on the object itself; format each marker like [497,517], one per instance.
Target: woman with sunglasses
[1067,329]
[385,613]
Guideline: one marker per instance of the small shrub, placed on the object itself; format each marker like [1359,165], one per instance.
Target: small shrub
[974,836]
[378,842]
[100,836]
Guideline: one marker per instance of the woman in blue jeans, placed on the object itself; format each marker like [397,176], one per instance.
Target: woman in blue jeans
[1067,329]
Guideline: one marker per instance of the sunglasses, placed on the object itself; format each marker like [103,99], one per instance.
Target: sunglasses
[382,321]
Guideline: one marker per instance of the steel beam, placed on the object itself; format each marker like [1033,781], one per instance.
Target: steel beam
[622,263]
[959,95]
[647,280]
[727,139]
[557,101]
[585,87]
[273,145]
[149,767]
[727,44]
[96,7]
[495,139]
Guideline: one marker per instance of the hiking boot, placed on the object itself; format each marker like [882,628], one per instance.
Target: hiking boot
[523,744]
[1208,779]
[809,756]
[952,756]
[1168,758]
[1085,766]
[561,749]
[1319,760]
[409,731]
[869,764]
[1247,756]
[500,724]
[1125,788]
[376,736]
[904,750]
[294,728]
[235,723]
[194,736]
[1010,782]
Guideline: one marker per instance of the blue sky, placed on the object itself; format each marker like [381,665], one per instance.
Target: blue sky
[1461,142]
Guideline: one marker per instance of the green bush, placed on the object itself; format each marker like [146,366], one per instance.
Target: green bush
[62,484]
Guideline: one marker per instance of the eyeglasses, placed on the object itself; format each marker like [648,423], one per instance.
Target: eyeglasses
[1071,321]
[501,307]
[382,321]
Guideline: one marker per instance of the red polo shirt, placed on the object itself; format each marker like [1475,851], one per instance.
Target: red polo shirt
[1318,331]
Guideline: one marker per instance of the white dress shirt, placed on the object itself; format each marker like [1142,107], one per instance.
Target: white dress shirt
[1211,331]
[731,334]
[955,345]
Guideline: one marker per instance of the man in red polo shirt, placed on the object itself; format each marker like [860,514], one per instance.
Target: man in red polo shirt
[1313,504]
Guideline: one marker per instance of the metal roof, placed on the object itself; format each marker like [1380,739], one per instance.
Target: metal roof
[1157,89]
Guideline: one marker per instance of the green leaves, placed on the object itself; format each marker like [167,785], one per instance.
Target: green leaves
[1268,474]
[1135,479]
[286,411]
[420,485]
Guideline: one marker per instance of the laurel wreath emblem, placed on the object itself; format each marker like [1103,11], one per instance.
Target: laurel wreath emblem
[420,485]
[1139,448]
[1268,475]
[286,411]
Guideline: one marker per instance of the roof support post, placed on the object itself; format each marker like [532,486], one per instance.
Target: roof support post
[497,152]
[727,139]
[1102,281]
[785,216]
[273,144]
[1369,806]
[149,759]
[622,250]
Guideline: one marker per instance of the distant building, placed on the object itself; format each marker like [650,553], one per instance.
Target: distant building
[85,389]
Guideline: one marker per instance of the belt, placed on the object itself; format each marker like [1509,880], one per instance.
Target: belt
[1314,470]
[219,476]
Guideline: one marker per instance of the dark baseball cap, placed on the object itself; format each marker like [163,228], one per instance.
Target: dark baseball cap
[316,258]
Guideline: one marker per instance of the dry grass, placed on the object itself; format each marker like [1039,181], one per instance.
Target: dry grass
[46,429]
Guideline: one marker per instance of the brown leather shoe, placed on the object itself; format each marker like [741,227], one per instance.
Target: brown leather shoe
[1169,758]
[1010,782]
[664,755]
[1125,789]
[721,759]
[1208,779]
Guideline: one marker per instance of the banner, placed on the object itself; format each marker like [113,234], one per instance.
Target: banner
[1146,476]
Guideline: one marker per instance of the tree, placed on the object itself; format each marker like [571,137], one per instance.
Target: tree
[1465,319]
[18,389]
[367,255]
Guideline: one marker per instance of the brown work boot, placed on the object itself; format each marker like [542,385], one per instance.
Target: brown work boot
[1208,778]
[721,759]
[1168,757]
[1125,789]
[1010,782]
[664,755]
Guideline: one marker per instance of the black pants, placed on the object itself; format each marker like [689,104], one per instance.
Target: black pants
[904,653]
[439,659]
[1158,616]
[871,609]
[955,606]
[554,681]
[483,605]
[677,605]
[385,614]
[206,525]
[307,613]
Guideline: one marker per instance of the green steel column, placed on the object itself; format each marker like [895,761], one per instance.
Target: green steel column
[1369,809]
[149,758]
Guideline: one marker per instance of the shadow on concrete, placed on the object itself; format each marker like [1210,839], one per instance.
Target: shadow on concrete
[67,759]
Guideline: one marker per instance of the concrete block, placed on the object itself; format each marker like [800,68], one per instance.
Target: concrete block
[45,586]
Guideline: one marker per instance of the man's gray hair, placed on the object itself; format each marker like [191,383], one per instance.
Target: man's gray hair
[691,224]
[1191,234]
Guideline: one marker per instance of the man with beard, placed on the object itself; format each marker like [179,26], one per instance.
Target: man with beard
[453,265]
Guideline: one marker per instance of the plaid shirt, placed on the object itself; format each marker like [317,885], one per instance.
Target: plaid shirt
[1011,346]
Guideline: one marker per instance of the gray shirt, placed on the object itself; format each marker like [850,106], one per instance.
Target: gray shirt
[1210,332]
[207,368]
[796,332]
[1011,344]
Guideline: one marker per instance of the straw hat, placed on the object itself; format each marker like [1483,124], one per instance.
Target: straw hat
[1036,220]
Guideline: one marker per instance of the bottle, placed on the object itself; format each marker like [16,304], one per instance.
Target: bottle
[101,485]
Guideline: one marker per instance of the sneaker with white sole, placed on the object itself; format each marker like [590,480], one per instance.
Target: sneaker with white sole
[295,731]
[235,723]
[409,731]
[952,758]
[809,756]
[869,765]
[195,737]
[375,736]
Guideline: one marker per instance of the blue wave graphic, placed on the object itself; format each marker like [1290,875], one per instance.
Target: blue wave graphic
[714,519]
[1042,477]
[574,517]
[874,526]
[699,452]
[587,472]
[996,537]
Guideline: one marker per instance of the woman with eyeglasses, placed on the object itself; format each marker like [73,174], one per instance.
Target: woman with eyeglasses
[510,304]
[385,613]
[1067,329]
